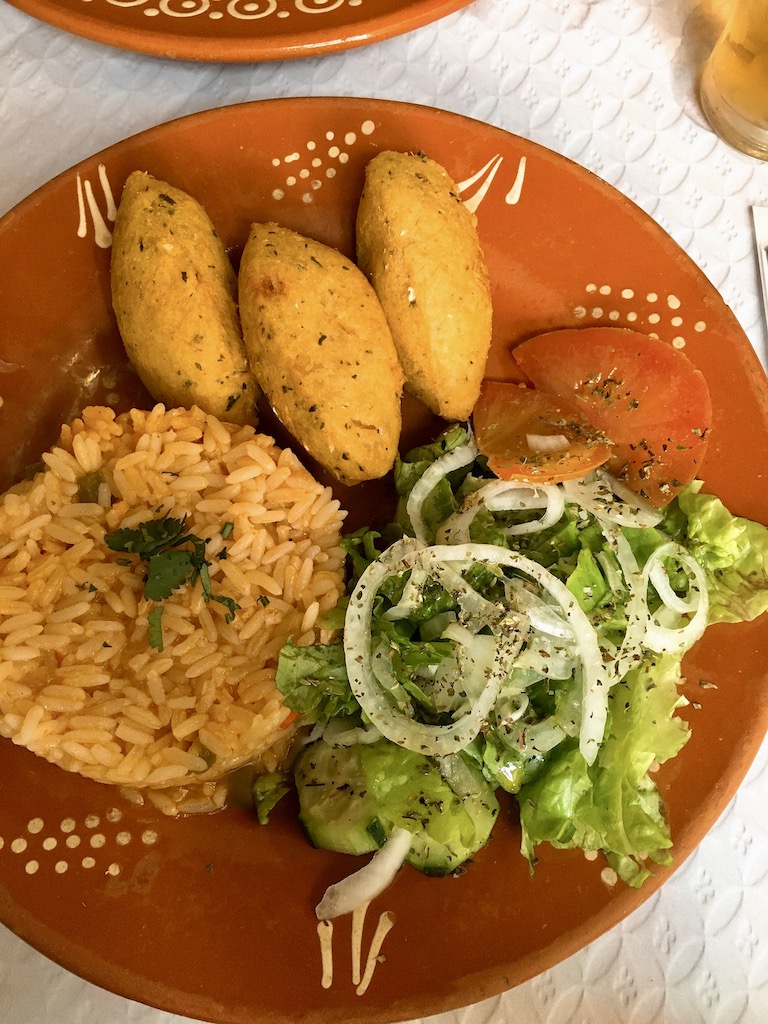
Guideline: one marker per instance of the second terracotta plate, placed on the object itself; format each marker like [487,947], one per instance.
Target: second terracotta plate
[238,30]
[213,916]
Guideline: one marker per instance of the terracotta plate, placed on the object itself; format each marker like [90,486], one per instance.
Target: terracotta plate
[213,916]
[238,30]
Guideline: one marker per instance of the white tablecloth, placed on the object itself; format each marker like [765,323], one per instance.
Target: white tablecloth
[610,84]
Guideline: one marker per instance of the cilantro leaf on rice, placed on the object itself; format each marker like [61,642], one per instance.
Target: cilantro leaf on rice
[173,558]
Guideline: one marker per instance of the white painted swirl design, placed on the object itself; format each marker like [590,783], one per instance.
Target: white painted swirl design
[183,8]
[318,6]
[249,10]
[242,10]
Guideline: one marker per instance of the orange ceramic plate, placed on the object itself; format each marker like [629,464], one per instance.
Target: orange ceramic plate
[238,30]
[213,916]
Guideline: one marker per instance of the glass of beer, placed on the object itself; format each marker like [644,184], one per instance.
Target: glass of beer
[734,83]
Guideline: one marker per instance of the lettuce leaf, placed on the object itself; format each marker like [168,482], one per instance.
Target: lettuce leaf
[614,805]
[733,552]
[267,791]
[313,681]
[586,582]
[409,469]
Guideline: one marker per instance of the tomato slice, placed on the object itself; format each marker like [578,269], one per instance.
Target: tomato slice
[647,396]
[534,437]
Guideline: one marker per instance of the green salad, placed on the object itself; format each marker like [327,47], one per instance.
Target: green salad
[500,636]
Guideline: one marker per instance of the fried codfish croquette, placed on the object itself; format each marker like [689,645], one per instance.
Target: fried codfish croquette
[418,244]
[321,350]
[174,297]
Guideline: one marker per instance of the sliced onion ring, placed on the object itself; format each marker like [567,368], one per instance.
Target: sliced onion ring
[505,496]
[369,881]
[608,498]
[656,573]
[441,740]
[637,613]
[462,456]
[663,639]
[547,442]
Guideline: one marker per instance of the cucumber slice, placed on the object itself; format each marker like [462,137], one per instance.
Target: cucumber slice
[352,797]
[335,808]
[450,813]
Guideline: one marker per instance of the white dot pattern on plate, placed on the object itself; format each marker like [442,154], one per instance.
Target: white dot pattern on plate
[623,312]
[609,876]
[323,162]
[88,207]
[38,840]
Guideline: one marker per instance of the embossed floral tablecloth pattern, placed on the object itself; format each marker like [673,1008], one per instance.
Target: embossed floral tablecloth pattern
[610,84]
